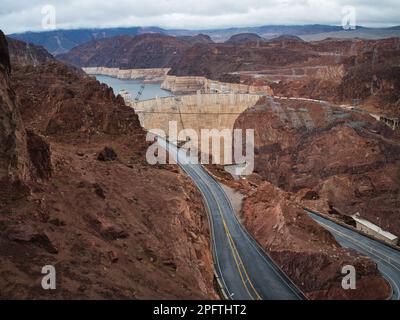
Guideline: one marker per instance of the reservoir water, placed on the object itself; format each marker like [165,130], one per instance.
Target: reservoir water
[151,90]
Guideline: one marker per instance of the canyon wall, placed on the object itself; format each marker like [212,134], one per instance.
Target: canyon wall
[148,75]
[334,73]
[13,149]
[113,227]
[22,53]
[307,252]
[192,84]
[347,161]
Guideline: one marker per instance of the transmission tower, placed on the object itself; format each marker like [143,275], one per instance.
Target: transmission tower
[139,94]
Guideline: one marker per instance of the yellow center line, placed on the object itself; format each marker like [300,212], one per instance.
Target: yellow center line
[234,250]
[244,268]
[236,262]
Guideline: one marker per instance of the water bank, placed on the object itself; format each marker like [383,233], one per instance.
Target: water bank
[151,90]
[153,75]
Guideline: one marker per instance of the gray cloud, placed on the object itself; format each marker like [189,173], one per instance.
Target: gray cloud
[23,15]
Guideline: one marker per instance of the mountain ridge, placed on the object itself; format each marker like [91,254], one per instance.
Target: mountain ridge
[62,40]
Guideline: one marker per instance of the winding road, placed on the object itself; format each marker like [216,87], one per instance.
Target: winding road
[387,258]
[243,269]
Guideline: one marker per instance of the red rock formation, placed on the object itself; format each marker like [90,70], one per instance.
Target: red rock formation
[349,160]
[305,251]
[216,60]
[128,52]
[14,159]
[120,229]
[369,78]
[342,71]
[200,38]
[244,38]
[22,53]
[79,105]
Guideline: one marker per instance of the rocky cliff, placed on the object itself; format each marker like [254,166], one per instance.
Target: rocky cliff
[128,52]
[354,71]
[216,61]
[22,53]
[305,251]
[14,159]
[113,226]
[244,38]
[346,160]
[368,75]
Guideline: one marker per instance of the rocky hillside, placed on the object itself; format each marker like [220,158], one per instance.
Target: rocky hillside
[14,158]
[304,250]
[197,39]
[130,52]
[23,53]
[336,161]
[61,41]
[113,226]
[219,61]
[243,38]
[359,72]
[188,56]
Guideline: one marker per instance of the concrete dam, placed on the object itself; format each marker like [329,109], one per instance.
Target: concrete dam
[198,111]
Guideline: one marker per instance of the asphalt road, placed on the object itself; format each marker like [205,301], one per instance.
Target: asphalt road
[244,270]
[387,258]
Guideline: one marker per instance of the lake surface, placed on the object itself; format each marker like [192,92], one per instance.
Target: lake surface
[151,90]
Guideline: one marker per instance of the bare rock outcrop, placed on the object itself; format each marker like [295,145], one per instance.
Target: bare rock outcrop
[22,53]
[305,251]
[348,160]
[149,50]
[113,230]
[14,159]
[82,107]
[40,155]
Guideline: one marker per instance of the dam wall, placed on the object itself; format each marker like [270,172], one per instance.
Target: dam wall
[190,84]
[148,75]
[199,111]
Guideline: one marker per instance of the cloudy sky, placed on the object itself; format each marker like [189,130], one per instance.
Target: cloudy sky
[24,15]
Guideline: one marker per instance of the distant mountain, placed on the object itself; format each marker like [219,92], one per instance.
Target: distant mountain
[61,41]
[360,32]
[197,39]
[130,52]
[267,32]
[23,53]
[287,37]
[243,38]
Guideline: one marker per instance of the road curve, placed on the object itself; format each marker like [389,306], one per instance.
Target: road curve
[387,258]
[244,270]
